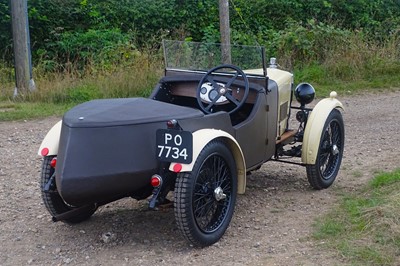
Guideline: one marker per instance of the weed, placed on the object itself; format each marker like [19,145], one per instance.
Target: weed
[365,228]
[357,173]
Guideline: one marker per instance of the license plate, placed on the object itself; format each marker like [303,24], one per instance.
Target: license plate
[174,146]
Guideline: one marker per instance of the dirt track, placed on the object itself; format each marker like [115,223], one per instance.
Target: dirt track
[271,225]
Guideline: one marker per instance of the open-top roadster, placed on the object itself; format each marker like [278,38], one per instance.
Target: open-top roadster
[204,127]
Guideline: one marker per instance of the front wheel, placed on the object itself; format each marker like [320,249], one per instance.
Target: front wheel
[330,152]
[205,198]
[55,205]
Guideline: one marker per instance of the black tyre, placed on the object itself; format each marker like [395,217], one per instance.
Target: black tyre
[205,198]
[53,201]
[323,173]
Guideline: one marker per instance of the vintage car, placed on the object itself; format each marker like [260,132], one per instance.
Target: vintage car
[210,121]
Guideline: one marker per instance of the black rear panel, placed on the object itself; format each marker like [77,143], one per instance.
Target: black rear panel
[96,163]
[130,111]
[107,147]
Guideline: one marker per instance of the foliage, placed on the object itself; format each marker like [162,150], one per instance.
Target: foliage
[307,42]
[5,30]
[365,228]
[145,22]
[95,48]
[134,78]
[337,44]
[352,64]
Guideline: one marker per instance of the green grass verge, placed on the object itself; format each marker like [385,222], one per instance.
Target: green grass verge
[325,79]
[59,102]
[365,228]
[56,93]
[10,111]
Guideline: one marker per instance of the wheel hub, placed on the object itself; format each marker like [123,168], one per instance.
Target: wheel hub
[335,149]
[219,194]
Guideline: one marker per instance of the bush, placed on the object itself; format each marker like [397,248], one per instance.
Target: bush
[90,50]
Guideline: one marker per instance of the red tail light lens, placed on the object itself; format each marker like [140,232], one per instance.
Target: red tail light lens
[172,123]
[156,181]
[53,162]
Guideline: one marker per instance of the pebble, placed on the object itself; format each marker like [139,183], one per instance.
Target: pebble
[269,199]
[108,237]
[67,260]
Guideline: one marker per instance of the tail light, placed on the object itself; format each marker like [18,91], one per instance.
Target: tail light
[53,162]
[156,181]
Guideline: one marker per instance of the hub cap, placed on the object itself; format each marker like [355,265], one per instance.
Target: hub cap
[335,149]
[219,194]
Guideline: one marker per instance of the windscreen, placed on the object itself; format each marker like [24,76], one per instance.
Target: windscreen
[197,56]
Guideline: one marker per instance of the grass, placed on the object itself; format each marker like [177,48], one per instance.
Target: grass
[324,82]
[10,111]
[350,67]
[354,64]
[365,228]
[57,92]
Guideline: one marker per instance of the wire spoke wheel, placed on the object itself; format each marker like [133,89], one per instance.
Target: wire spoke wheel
[209,210]
[330,154]
[205,198]
[323,173]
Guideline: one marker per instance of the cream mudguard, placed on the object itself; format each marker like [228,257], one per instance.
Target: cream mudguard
[202,137]
[315,125]
[51,140]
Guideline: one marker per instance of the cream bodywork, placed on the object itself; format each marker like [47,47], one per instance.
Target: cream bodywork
[284,80]
[51,140]
[315,125]
[202,137]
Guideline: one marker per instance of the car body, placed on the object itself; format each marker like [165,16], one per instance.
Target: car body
[206,125]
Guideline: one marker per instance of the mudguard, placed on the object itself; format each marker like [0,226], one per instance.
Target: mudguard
[202,137]
[51,140]
[314,127]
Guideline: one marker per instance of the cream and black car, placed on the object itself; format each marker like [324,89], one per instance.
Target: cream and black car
[209,122]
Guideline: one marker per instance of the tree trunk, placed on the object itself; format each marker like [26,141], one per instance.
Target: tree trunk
[225,31]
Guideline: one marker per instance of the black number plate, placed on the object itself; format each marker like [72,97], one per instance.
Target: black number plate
[174,146]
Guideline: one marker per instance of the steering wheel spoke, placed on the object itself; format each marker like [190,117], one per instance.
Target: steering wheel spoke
[229,84]
[212,81]
[223,89]
[232,99]
[208,108]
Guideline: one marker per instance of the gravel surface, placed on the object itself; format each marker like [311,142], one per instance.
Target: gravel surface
[271,224]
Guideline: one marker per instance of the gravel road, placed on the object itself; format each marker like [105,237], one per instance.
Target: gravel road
[271,225]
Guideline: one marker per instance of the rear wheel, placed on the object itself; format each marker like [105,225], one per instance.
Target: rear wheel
[52,200]
[330,152]
[205,198]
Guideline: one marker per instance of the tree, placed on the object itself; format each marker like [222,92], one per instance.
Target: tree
[22,59]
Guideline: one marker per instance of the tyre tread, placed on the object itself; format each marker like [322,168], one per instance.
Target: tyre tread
[313,174]
[182,202]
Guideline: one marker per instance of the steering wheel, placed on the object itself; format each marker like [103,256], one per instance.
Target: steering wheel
[209,92]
